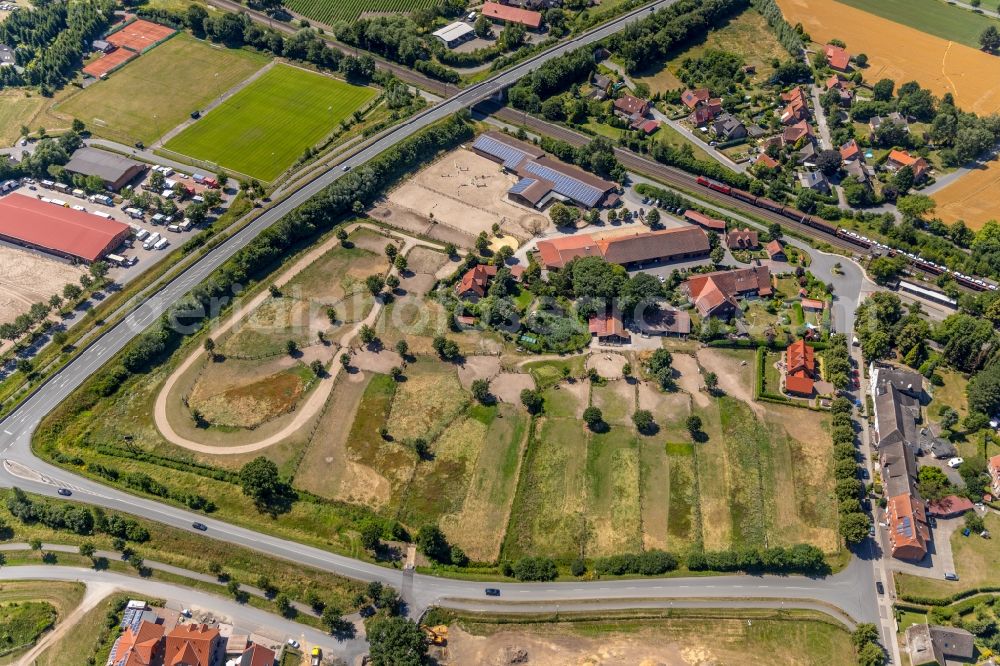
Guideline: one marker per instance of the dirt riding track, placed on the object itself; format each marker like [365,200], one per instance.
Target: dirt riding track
[903,54]
[974,198]
[28,278]
[467,192]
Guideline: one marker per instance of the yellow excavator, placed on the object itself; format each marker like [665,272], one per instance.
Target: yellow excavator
[437,635]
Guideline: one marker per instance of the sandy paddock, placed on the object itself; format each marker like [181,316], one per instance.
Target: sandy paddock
[28,278]
[730,380]
[901,53]
[408,220]
[382,361]
[478,367]
[507,386]
[468,192]
[973,198]
[688,376]
[608,364]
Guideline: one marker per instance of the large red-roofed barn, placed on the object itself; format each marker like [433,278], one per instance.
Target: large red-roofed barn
[58,230]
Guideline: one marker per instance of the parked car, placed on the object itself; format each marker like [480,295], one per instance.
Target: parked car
[950,576]
[294,643]
[880,587]
[955,462]
[492,592]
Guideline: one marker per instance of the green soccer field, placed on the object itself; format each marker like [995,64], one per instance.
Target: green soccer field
[931,16]
[264,128]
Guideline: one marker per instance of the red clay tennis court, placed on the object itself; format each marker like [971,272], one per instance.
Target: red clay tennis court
[139,34]
[108,62]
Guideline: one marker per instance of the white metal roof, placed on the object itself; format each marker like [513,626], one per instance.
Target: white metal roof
[453,31]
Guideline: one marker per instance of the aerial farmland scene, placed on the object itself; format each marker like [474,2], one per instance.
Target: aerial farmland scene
[464,332]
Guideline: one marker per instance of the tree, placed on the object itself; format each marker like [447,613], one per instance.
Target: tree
[933,483]
[563,215]
[400,263]
[371,535]
[974,522]
[593,417]
[483,27]
[863,634]
[395,641]
[717,254]
[643,420]
[861,60]
[915,206]
[693,424]
[482,242]
[450,249]
[260,481]
[828,161]
[291,347]
[432,543]
[366,334]
[283,605]
[403,349]
[481,391]
[989,39]
[317,367]
[653,218]
[345,360]
[711,381]
[445,348]
[209,346]
[87,549]
[391,251]
[882,90]
[71,292]
[35,544]
[871,655]
[532,400]
[854,527]
[374,283]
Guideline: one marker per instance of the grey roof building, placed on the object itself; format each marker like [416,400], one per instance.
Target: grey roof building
[728,127]
[814,180]
[114,170]
[934,644]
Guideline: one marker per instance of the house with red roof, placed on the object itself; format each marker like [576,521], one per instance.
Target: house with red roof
[994,469]
[795,133]
[898,159]
[257,655]
[742,239]
[850,151]
[765,160]
[704,221]
[608,327]
[139,647]
[909,532]
[475,282]
[194,645]
[837,58]
[715,294]
[775,251]
[677,243]
[506,14]
[693,98]
[839,83]
[796,107]
[800,368]
[629,106]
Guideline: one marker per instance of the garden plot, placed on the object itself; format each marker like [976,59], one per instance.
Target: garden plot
[478,527]
[467,192]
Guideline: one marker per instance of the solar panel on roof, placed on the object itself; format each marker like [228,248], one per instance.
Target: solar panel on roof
[521,185]
[510,155]
[565,185]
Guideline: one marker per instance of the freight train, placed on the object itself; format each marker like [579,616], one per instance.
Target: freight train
[969,281]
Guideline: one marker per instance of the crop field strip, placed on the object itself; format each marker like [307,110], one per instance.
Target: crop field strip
[931,16]
[348,10]
[263,129]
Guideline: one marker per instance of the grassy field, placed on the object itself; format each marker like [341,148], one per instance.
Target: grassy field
[931,16]
[28,609]
[17,108]
[263,129]
[348,10]
[746,35]
[89,636]
[158,91]
[677,636]
[977,563]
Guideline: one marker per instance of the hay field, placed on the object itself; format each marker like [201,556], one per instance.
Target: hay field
[159,90]
[467,192]
[28,278]
[903,54]
[974,198]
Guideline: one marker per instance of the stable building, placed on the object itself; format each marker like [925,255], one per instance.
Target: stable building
[58,230]
[455,33]
[116,171]
[630,251]
[505,14]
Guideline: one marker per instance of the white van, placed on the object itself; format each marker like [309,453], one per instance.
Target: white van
[101,213]
[160,244]
[151,241]
[116,259]
[141,234]
[174,228]
[80,194]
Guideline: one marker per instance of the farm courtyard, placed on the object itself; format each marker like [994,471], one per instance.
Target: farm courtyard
[262,129]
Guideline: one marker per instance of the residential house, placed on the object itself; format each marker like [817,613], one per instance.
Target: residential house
[673,244]
[505,14]
[715,294]
[704,114]
[900,158]
[839,83]
[935,644]
[796,107]
[994,469]
[194,645]
[813,305]
[814,180]
[766,161]
[895,118]
[601,82]
[850,152]
[775,251]
[800,368]
[645,125]
[628,106]
[608,327]
[755,131]
[704,221]
[257,655]
[909,531]
[475,282]
[742,239]
[728,127]
[858,170]
[806,156]
[693,98]
[837,58]
[141,646]
[535,5]
[800,131]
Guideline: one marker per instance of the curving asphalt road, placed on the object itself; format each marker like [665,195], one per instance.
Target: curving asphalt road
[848,591]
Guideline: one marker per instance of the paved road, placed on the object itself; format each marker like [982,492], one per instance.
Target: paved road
[247,618]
